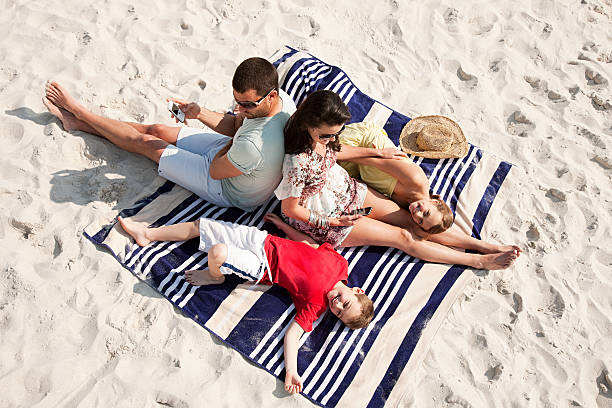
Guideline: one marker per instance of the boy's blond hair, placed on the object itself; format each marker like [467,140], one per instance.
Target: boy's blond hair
[367,312]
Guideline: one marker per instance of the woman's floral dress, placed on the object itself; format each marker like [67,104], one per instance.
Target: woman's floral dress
[322,186]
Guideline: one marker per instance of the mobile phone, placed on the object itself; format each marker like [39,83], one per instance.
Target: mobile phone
[174,109]
[359,211]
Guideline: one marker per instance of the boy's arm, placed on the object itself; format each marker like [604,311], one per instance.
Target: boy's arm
[291,232]
[293,381]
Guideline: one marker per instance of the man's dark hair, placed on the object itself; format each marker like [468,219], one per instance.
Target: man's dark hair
[255,73]
[322,107]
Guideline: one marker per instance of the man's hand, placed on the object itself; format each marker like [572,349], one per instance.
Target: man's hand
[293,383]
[190,109]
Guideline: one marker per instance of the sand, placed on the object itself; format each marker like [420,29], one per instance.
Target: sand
[529,81]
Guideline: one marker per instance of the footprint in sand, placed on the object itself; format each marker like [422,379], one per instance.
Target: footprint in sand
[594,78]
[14,137]
[519,125]
[482,23]
[599,103]
[494,372]
[595,139]
[314,26]
[37,384]
[168,400]
[451,17]
[470,80]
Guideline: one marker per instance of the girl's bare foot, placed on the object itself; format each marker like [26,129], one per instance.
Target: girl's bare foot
[506,248]
[137,230]
[60,97]
[200,277]
[69,121]
[500,260]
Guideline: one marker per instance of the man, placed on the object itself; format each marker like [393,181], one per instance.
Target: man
[238,166]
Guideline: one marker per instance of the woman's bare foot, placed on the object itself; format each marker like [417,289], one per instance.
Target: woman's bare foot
[60,97]
[69,121]
[137,230]
[500,260]
[200,277]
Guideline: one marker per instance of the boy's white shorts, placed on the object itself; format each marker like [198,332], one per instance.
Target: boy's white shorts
[245,247]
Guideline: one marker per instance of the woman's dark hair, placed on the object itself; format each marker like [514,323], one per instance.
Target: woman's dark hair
[321,107]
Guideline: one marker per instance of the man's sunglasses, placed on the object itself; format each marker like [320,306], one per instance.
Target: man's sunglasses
[250,104]
[329,136]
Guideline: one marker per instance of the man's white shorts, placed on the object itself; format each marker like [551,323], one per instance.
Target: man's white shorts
[188,163]
[245,247]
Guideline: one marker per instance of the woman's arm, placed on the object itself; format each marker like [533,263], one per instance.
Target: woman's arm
[293,381]
[352,152]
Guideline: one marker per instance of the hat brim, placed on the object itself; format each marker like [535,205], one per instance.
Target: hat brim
[408,138]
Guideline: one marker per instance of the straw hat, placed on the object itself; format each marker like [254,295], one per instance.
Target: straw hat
[433,137]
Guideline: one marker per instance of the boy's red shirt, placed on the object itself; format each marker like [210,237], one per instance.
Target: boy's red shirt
[306,273]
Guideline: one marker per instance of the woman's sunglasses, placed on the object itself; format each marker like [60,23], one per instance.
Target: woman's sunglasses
[250,104]
[329,136]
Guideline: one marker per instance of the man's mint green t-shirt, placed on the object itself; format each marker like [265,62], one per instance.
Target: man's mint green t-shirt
[257,151]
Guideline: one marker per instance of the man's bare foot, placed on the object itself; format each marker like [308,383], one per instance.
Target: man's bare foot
[500,260]
[69,121]
[60,97]
[200,277]
[136,230]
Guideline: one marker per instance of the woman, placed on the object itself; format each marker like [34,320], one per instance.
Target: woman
[316,191]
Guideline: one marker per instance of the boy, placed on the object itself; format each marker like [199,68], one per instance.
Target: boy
[314,275]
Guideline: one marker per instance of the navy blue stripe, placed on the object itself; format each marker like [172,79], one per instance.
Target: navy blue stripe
[240,272]
[284,57]
[394,126]
[489,195]
[464,179]
[453,179]
[266,311]
[414,333]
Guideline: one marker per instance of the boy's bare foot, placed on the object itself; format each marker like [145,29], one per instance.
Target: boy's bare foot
[69,121]
[60,97]
[500,260]
[136,230]
[202,277]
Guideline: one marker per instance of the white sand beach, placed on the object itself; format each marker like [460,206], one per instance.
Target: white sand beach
[528,81]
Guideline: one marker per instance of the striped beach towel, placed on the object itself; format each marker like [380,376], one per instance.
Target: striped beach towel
[340,367]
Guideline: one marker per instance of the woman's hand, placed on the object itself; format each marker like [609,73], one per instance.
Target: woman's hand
[344,220]
[293,382]
[390,152]
[190,109]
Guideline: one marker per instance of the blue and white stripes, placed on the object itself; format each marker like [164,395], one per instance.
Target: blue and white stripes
[340,367]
